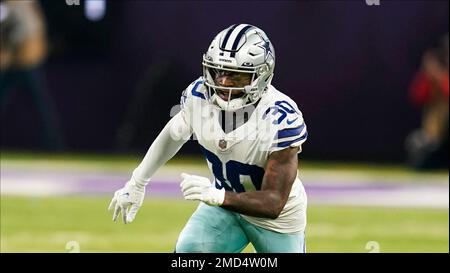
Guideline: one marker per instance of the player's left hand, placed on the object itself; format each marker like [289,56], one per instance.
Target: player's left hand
[200,188]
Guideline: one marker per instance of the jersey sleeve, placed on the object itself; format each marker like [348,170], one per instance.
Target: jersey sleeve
[290,131]
[176,132]
[190,99]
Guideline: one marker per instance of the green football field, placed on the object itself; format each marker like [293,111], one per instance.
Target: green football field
[80,221]
[50,224]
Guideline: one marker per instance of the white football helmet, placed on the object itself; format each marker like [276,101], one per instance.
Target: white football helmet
[240,48]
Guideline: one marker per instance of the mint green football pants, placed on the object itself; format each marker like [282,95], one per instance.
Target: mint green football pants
[217,230]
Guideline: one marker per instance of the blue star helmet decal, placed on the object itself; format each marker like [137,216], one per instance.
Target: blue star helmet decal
[265,44]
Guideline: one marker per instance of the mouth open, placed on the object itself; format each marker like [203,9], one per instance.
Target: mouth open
[225,94]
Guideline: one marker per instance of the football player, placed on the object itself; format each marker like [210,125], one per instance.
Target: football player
[250,134]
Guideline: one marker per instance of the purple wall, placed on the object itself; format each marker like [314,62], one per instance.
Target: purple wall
[346,64]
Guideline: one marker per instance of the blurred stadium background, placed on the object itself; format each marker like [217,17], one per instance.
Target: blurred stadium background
[86,86]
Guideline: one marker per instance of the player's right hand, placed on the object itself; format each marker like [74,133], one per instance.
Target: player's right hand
[127,201]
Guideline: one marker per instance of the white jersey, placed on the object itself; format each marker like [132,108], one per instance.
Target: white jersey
[237,159]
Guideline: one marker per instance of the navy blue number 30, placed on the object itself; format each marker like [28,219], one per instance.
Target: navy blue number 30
[233,170]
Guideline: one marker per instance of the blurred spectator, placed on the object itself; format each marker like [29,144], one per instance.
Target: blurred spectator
[428,146]
[23,49]
[151,101]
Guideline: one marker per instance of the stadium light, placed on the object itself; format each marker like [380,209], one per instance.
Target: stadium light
[95,10]
[4,12]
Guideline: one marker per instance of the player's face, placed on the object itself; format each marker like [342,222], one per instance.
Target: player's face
[231,79]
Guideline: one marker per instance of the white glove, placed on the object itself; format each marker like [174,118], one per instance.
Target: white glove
[129,197]
[200,188]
